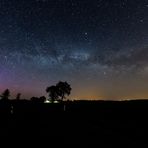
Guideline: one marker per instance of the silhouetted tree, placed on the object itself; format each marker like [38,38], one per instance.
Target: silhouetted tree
[63,89]
[34,98]
[38,100]
[5,95]
[42,99]
[53,93]
[18,96]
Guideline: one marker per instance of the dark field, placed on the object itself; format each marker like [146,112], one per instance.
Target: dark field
[101,122]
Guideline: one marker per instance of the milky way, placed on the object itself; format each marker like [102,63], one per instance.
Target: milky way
[100,47]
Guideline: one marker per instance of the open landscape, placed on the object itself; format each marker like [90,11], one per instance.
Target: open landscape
[74,71]
[108,122]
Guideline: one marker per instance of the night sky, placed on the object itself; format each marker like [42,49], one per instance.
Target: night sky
[100,47]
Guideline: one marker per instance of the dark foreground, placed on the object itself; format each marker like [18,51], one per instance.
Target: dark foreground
[104,123]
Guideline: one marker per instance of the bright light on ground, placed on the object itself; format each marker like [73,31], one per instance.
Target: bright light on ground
[56,102]
[48,101]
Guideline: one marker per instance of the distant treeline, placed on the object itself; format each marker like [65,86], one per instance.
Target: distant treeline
[56,92]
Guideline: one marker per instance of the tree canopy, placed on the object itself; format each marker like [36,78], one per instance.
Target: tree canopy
[59,91]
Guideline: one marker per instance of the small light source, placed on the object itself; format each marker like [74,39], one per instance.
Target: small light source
[47,101]
[56,102]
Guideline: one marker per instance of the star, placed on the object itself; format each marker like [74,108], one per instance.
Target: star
[86,33]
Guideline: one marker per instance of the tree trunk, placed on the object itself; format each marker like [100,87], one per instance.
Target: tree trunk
[62,97]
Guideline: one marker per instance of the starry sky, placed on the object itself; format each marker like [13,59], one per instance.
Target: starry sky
[100,47]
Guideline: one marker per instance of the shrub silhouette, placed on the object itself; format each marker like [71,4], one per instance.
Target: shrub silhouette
[34,98]
[18,96]
[42,99]
[63,90]
[38,100]
[5,95]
